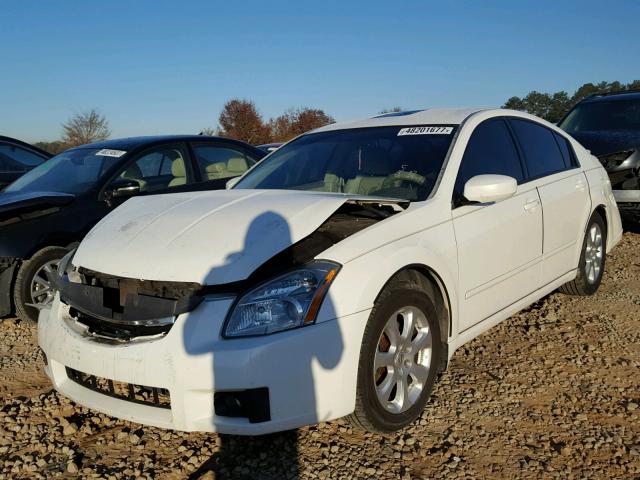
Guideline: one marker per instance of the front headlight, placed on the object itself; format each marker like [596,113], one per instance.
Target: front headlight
[289,301]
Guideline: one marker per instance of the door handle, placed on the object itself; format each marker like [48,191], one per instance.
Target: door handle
[581,186]
[531,205]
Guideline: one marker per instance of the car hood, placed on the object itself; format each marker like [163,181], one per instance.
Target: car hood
[604,142]
[17,202]
[211,238]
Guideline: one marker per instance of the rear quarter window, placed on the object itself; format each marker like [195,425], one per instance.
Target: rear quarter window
[568,155]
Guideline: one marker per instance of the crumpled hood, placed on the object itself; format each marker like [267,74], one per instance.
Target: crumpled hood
[212,237]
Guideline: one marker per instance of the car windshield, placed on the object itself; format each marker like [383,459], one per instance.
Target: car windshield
[603,115]
[397,162]
[74,171]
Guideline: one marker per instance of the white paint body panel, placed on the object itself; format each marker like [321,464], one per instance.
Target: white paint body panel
[499,253]
[490,260]
[209,237]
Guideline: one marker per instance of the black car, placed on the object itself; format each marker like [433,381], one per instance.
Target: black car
[48,210]
[609,125]
[17,158]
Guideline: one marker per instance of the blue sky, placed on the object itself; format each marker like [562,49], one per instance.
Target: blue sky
[168,67]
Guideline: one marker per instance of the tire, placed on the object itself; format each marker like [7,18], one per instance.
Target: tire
[43,263]
[592,260]
[396,301]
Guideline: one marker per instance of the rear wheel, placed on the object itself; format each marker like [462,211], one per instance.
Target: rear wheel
[592,260]
[33,289]
[399,359]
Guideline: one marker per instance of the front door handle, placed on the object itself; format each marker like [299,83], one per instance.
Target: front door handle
[531,205]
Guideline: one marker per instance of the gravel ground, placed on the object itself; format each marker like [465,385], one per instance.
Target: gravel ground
[552,392]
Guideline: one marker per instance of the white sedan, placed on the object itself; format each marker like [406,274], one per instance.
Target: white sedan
[336,278]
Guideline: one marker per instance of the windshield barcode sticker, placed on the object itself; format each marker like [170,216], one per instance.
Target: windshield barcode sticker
[105,152]
[432,130]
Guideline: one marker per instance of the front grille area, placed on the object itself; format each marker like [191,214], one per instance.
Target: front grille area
[116,331]
[152,396]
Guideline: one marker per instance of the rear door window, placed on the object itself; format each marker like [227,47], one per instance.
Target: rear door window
[490,151]
[541,151]
[217,161]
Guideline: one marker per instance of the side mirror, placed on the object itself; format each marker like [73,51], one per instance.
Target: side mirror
[123,187]
[231,183]
[490,188]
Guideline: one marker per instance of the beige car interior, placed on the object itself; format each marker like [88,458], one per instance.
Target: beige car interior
[134,173]
[233,167]
[179,171]
[369,170]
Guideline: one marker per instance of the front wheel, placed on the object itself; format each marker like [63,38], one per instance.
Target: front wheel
[592,260]
[399,359]
[33,289]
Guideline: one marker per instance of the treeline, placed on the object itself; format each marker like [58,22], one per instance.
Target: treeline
[553,106]
[87,127]
[239,119]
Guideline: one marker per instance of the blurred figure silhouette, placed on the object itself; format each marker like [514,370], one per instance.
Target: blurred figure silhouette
[243,456]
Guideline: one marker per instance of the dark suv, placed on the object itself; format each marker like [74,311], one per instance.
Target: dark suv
[609,125]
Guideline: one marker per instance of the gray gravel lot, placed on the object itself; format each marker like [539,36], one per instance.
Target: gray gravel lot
[552,392]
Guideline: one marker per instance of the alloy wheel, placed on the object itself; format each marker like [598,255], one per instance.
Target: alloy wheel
[42,291]
[593,254]
[402,360]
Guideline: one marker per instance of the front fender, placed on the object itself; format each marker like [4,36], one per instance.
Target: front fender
[360,281]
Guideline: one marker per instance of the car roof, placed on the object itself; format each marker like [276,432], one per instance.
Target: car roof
[431,116]
[131,143]
[613,96]
[26,145]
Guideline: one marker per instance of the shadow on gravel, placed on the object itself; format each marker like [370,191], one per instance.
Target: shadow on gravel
[273,456]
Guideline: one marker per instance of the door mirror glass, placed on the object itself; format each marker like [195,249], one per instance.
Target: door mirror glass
[490,188]
[123,187]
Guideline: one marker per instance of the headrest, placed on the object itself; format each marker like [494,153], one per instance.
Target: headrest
[177,168]
[375,161]
[218,167]
[237,164]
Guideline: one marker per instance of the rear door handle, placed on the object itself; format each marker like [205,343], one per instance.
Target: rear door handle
[531,205]
[581,186]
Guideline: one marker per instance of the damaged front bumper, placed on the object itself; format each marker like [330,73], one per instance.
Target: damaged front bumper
[246,386]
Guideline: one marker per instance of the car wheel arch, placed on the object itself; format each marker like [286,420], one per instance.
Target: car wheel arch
[602,211]
[435,288]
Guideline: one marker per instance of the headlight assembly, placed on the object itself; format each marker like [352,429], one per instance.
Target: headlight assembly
[289,301]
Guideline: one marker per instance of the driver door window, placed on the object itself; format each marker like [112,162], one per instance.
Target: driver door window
[490,151]
[159,169]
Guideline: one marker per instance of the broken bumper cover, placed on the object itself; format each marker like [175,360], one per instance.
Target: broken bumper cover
[305,375]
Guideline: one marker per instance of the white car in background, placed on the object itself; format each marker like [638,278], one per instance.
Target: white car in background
[336,278]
